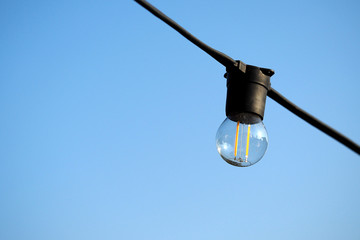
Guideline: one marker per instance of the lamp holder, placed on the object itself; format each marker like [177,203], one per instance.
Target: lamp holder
[247,88]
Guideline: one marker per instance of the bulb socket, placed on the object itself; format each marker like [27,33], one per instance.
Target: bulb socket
[247,91]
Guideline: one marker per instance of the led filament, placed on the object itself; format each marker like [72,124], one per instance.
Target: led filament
[241,144]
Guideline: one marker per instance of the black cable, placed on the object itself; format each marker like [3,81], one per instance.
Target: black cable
[219,56]
[272,93]
[277,97]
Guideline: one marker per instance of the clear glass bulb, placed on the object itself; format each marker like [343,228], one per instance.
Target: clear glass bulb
[242,143]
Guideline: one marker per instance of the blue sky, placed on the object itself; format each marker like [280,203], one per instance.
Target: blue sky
[108,121]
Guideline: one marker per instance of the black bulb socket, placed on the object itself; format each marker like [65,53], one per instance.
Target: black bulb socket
[246,93]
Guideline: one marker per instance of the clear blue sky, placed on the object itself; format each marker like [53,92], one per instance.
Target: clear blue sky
[108,121]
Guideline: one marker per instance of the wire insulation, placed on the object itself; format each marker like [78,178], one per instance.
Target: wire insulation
[277,97]
[272,93]
[217,55]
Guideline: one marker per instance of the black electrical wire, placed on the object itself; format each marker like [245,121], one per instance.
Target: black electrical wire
[272,93]
[277,97]
[217,55]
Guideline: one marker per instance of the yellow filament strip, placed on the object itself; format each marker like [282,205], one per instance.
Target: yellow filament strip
[247,142]
[236,139]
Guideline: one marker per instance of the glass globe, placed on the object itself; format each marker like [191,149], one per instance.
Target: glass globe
[242,143]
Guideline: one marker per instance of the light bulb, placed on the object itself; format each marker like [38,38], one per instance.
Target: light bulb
[243,142]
